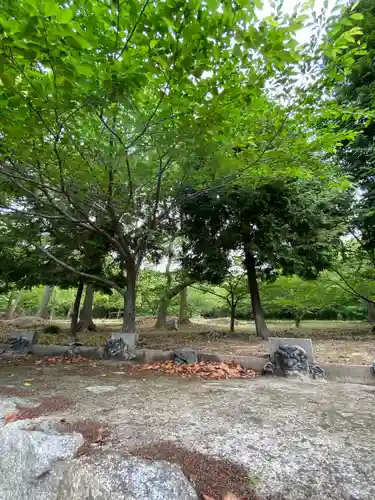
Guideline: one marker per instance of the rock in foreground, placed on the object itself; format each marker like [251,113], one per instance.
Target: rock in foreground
[115,477]
[36,463]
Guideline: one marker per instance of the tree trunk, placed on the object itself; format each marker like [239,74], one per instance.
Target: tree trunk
[85,318]
[128,324]
[43,308]
[161,318]
[75,309]
[298,320]
[371,314]
[260,323]
[165,299]
[232,317]
[70,310]
[13,301]
[183,317]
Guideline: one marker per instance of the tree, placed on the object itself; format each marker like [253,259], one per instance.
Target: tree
[294,296]
[356,155]
[233,289]
[109,109]
[286,226]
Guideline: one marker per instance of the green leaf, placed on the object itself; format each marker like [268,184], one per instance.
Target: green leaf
[237,50]
[65,15]
[50,8]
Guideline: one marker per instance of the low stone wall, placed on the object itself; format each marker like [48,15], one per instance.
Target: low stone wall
[360,374]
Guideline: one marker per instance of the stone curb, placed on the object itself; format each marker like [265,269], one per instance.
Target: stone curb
[360,374]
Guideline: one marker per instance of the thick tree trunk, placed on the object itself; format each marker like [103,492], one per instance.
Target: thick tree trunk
[161,318]
[128,324]
[43,308]
[85,318]
[260,323]
[13,301]
[183,317]
[75,309]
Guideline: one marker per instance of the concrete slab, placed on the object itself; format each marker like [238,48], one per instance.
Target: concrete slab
[275,342]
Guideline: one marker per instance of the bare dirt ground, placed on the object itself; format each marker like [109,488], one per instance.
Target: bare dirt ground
[297,440]
[334,341]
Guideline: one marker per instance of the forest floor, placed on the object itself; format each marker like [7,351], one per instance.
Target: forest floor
[333,341]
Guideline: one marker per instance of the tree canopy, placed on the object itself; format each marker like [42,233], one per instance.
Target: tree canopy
[118,115]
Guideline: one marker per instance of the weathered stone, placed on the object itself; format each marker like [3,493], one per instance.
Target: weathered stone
[171,324]
[130,339]
[292,360]
[20,343]
[115,477]
[183,356]
[26,455]
[275,342]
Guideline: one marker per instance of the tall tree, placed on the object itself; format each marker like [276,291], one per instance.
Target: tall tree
[357,89]
[286,226]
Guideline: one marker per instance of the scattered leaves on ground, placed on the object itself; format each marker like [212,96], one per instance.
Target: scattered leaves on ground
[66,359]
[214,478]
[45,407]
[13,391]
[203,370]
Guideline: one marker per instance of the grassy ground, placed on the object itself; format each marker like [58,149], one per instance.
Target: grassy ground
[334,341]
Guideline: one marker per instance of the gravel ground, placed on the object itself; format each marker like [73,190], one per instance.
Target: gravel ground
[297,439]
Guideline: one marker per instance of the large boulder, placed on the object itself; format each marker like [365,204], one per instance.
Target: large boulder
[26,455]
[115,477]
[38,463]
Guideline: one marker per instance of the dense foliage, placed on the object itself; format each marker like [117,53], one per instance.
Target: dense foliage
[130,130]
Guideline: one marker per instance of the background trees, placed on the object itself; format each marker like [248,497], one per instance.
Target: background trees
[288,226]
[127,126]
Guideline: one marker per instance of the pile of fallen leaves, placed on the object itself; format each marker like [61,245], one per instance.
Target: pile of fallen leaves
[203,370]
[63,359]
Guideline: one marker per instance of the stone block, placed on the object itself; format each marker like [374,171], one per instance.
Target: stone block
[188,356]
[20,343]
[275,342]
[130,339]
[30,336]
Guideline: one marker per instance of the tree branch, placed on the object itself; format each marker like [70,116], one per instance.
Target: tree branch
[87,276]
[134,28]
[350,288]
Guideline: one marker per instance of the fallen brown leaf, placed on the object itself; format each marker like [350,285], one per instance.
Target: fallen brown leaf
[11,417]
[207,497]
